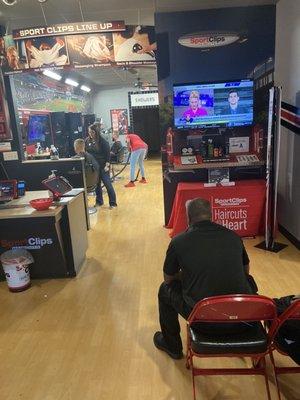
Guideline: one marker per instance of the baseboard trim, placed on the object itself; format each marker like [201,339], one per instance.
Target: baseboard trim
[289,236]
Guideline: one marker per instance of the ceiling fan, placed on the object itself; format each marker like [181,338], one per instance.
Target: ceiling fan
[140,84]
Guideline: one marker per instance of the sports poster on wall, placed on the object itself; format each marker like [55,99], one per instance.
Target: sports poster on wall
[119,121]
[77,45]
[5,130]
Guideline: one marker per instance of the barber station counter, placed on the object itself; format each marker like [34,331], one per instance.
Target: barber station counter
[56,238]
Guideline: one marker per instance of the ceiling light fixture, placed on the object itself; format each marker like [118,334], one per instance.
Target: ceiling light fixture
[9,2]
[85,88]
[52,74]
[71,82]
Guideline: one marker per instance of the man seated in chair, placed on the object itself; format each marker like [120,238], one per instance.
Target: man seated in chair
[91,165]
[116,149]
[206,260]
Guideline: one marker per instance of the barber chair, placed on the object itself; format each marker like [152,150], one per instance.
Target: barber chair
[118,163]
[91,178]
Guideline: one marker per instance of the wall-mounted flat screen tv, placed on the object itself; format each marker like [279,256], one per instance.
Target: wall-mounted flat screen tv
[213,104]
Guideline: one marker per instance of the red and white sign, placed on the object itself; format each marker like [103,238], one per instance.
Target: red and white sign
[206,40]
[239,208]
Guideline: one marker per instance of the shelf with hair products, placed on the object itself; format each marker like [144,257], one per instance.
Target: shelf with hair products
[212,149]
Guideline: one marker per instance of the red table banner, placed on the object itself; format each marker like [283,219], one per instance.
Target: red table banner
[239,208]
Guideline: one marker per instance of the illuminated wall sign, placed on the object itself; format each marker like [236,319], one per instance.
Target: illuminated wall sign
[207,40]
[69,29]
[144,99]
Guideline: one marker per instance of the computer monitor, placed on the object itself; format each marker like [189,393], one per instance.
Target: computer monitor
[8,190]
[213,104]
[58,185]
[39,129]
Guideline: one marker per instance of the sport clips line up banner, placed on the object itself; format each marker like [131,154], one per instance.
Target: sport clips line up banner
[92,44]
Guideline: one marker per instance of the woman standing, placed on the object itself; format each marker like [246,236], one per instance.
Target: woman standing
[138,150]
[99,148]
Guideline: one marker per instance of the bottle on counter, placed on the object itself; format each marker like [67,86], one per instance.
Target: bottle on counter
[38,148]
[216,152]
[210,148]
[54,153]
[203,149]
[221,151]
[227,149]
[25,152]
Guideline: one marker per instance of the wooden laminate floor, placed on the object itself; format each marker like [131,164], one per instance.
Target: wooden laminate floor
[90,338]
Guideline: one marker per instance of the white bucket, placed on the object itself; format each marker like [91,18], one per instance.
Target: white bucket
[17,276]
[15,264]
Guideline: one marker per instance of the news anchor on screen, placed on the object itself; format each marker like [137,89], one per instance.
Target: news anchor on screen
[233,104]
[195,110]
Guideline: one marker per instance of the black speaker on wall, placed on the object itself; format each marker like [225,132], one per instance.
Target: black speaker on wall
[60,133]
[74,126]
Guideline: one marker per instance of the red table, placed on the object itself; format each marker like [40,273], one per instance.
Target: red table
[239,207]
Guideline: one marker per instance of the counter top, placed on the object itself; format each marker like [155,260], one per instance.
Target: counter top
[49,161]
[20,208]
[178,166]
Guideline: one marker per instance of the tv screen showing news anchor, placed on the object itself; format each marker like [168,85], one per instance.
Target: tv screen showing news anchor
[218,104]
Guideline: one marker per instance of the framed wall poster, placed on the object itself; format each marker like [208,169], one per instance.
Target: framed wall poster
[5,130]
[119,120]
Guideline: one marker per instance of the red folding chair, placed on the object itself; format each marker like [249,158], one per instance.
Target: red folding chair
[248,311]
[292,313]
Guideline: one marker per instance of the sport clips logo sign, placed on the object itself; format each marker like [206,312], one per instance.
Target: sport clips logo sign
[32,243]
[234,201]
[208,40]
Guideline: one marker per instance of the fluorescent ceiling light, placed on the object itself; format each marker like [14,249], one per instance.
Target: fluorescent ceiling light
[71,82]
[52,74]
[85,88]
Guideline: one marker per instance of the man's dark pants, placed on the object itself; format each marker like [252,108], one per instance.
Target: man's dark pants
[171,303]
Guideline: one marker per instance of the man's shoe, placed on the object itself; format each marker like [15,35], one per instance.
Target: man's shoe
[160,343]
[143,180]
[129,184]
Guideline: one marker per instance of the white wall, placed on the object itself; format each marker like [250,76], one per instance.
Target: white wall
[287,67]
[106,100]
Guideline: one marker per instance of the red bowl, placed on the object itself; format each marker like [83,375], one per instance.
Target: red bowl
[41,204]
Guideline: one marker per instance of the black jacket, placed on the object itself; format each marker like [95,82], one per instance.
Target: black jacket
[100,152]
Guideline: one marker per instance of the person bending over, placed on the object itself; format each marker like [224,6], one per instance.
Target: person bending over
[138,150]
[206,260]
[99,148]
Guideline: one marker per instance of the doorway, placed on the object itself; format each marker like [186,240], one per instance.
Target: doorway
[146,125]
